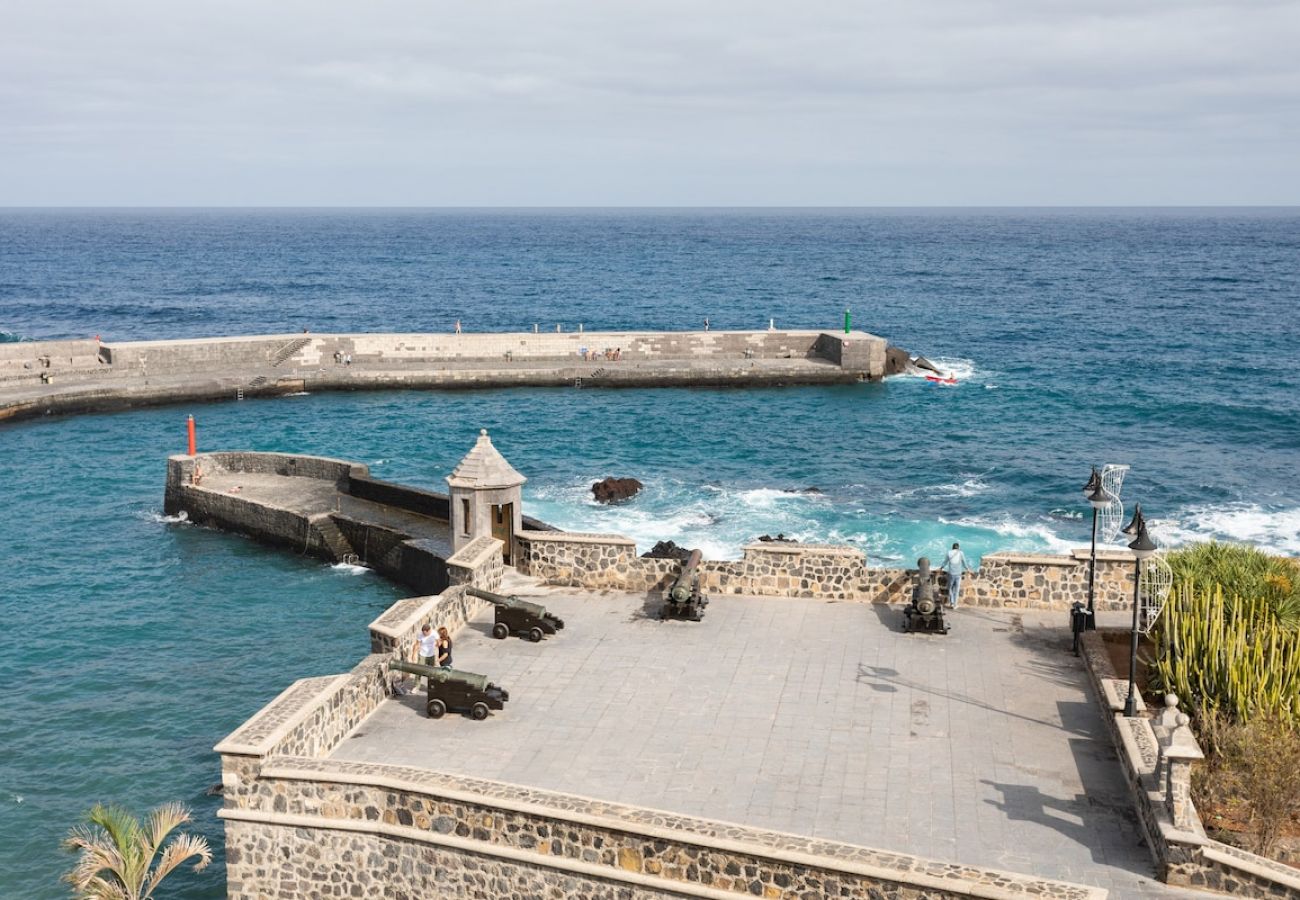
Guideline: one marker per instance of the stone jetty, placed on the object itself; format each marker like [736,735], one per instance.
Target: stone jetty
[50,377]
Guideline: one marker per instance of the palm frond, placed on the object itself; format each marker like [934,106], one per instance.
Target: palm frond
[161,822]
[99,889]
[177,852]
[97,855]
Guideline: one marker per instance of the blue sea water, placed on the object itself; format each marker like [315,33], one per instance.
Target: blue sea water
[1165,339]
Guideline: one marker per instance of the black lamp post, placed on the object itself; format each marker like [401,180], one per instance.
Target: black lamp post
[1099,499]
[1142,547]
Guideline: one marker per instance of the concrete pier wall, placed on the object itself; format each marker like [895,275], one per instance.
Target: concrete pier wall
[409,560]
[41,378]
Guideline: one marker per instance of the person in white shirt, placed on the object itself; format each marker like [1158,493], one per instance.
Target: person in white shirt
[426,646]
[955,565]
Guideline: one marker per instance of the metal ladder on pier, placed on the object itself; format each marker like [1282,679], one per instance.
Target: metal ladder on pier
[255,383]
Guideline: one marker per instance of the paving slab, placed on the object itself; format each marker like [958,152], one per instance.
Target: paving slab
[981,746]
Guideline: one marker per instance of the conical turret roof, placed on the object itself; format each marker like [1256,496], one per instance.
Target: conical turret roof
[484,467]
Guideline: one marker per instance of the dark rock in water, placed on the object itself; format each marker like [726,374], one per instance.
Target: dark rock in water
[779,539]
[666,550]
[612,490]
[896,360]
[922,363]
[807,490]
[216,790]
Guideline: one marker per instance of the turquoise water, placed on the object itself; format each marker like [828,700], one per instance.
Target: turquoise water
[1160,339]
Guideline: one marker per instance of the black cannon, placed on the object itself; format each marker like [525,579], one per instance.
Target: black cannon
[925,612]
[515,616]
[684,600]
[455,690]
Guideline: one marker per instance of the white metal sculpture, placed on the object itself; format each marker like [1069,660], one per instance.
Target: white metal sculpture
[1154,584]
[1111,517]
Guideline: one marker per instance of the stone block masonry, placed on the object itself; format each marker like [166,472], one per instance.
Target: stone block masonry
[602,561]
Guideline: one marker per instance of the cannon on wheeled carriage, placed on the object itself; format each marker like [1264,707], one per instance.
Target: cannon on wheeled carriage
[515,616]
[451,689]
[925,612]
[683,599]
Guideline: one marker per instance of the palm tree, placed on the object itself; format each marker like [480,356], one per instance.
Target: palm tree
[117,852]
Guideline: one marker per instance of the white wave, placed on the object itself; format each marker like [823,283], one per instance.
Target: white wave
[766,498]
[1027,535]
[717,520]
[970,487]
[181,518]
[349,569]
[16,798]
[1274,530]
[297,394]
[955,367]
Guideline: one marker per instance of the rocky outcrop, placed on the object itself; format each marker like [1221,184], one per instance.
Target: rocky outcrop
[896,360]
[667,550]
[614,490]
[922,363]
[779,539]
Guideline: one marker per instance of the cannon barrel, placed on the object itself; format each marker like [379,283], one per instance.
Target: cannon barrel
[492,597]
[682,588]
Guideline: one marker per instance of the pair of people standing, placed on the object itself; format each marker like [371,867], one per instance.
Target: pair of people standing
[434,649]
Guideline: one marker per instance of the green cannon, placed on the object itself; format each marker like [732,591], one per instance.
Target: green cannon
[515,616]
[455,690]
[684,600]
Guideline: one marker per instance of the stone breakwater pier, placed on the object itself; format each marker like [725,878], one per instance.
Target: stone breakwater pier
[793,744]
[40,378]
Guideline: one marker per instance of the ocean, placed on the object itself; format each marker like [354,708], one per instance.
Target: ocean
[1161,339]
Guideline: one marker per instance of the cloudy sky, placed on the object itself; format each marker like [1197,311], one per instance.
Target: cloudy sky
[710,102]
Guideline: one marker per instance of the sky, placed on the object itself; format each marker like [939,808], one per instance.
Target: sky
[703,103]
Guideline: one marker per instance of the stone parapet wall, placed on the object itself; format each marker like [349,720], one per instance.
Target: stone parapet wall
[322,468]
[1182,855]
[602,561]
[403,828]
[478,564]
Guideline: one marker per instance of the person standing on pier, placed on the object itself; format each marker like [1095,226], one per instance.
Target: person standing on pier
[955,565]
[443,648]
[458,326]
[426,646]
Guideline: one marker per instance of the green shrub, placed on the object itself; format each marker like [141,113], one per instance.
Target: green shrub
[1249,777]
[1242,571]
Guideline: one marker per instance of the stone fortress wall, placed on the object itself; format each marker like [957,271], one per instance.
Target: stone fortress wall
[300,824]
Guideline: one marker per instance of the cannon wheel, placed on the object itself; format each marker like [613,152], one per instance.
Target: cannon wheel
[437,709]
[535,634]
[500,631]
[479,711]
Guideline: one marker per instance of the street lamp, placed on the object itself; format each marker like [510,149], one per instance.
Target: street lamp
[1142,547]
[1099,499]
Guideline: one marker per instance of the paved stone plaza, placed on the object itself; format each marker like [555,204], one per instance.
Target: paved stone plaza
[820,718]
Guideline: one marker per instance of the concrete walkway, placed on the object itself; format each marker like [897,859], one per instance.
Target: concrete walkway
[309,497]
[982,746]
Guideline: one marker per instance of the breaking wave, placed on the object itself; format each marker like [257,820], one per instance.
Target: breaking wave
[1275,530]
